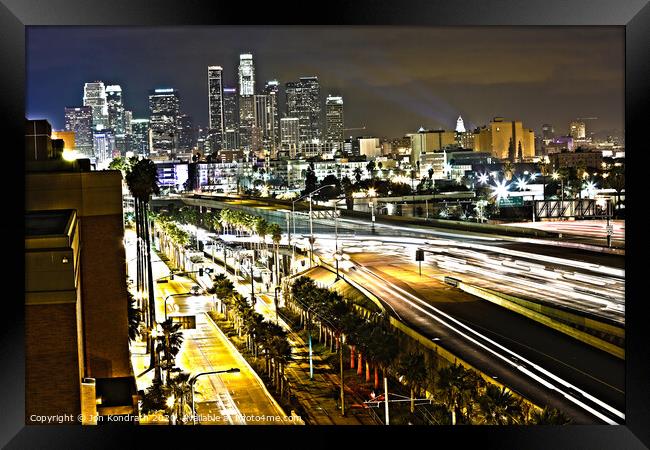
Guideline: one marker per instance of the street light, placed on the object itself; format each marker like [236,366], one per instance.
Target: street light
[311,226]
[175,295]
[192,381]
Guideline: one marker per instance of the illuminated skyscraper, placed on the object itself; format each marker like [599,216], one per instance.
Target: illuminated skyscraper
[290,135]
[460,125]
[164,106]
[246,100]
[230,109]
[80,120]
[187,135]
[215,107]
[95,97]
[577,130]
[140,136]
[272,91]
[115,109]
[303,102]
[334,119]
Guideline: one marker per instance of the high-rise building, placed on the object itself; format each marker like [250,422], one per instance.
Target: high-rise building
[246,100]
[460,125]
[80,120]
[164,106]
[429,141]
[231,139]
[504,139]
[140,136]
[577,130]
[128,117]
[115,109]
[548,133]
[303,102]
[215,106]
[246,75]
[187,135]
[334,119]
[104,144]
[230,108]
[290,135]
[95,97]
[272,91]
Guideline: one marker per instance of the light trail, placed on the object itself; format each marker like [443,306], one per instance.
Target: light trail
[402,295]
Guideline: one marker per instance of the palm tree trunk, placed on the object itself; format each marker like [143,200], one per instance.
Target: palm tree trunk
[367,371]
[351,356]
[376,376]
[412,400]
[360,364]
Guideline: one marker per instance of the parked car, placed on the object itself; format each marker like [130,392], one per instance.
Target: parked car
[196,290]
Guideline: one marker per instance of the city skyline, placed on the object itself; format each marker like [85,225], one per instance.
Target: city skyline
[389,88]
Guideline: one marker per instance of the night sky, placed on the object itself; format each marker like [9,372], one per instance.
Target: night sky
[393,79]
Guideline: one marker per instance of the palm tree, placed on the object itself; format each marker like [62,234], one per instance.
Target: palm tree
[142,181]
[456,388]
[370,167]
[498,406]
[180,388]
[170,343]
[549,417]
[358,173]
[414,370]
[135,317]
[276,236]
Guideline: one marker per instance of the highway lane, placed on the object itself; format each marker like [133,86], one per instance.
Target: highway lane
[552,377]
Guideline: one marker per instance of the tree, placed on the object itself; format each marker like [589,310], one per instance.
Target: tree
[329,192]
[414,370]
[456,388]
[548,417]
[142,181]
[498,406]
[348,189]
[170,343]
[310,179]
[370,167]
[520,153]
[135,317]
[358,174]
[511,151]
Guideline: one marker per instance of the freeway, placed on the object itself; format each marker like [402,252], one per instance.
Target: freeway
[540,363]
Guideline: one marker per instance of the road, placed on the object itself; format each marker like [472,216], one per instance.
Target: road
[233,398]
[550,367]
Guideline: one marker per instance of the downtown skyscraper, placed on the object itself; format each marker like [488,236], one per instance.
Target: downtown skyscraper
[334,119]
[246,100]
[215,108]
[80,121]
[303,102]
[164,106]
[95,97]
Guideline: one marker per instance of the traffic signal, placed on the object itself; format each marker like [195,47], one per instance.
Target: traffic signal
[209,270]
[201,272]
[171,276]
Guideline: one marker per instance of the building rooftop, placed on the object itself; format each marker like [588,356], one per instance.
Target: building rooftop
[48,223]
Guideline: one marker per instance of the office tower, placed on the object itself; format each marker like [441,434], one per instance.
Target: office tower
[230,108]
[164,106]
[303,102]
[104,145]
[334,119]
[231,139]
[577,130]
[80,120]
[187,136]
[215,107]
[95,97]
[548,133]
[115,109]
[272,91]
[290,135]
[128,117]
[246,100]
[246,75]
[140,136]
[502,138]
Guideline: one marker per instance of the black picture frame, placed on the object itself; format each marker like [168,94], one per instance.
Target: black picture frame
[633,15]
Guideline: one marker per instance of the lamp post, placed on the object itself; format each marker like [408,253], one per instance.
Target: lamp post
[193,381]
[311,226]
[174,295]
[341,342]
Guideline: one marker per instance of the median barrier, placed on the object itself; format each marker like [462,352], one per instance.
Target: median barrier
[544,320]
